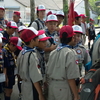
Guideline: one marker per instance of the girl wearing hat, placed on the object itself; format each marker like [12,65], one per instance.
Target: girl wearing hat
[39,24]
[62,69]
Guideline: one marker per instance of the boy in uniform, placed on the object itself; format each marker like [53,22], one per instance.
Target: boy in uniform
[28,66]
[51,23]
[39,23]
[10,65]
[62,69]
[3,22]
[82,53]
[11,28]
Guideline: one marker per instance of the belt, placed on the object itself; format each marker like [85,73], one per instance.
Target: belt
[57,79]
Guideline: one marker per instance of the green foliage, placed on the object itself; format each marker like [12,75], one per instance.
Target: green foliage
[94,7]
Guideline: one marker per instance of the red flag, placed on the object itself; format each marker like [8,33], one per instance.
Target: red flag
[71,13]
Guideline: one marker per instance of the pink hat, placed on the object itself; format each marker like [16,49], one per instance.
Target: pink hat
[21,28]
[83,15]
[1,7]
[43,37]
[29,33]
[76,14]
[60,13]
[49,13]
[77,29]
[52,18]
[40,8]
[12,24]
[68,30]
[16,41]
[91,19]
[17,13]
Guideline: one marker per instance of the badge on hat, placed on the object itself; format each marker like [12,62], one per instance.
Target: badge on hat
[76,28]
[78,51]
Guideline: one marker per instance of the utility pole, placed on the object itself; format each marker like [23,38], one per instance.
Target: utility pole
[65,9]
[32,9]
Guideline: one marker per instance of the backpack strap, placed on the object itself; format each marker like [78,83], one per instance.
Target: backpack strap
[29,58]
[37,24]
[97,90]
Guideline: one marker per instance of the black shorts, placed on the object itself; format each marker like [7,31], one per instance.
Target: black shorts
[11,82]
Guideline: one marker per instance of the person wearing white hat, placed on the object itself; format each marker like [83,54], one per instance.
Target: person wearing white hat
[3,22]
[51,24]
[82,54]
[10,29]
[60,16]
[39,23]
[21,29]
[28,66]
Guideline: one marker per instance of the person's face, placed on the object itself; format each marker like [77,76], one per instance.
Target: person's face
[41,14]
[15,18]
[42,44]
[11,31]
[2,13]
[12,47]
[76,38]
[84,19]
[60,19]
[78,22]
[51,26]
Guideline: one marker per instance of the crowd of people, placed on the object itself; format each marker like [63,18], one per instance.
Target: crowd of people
[46,59]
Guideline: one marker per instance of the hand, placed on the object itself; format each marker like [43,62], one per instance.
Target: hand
[41,97]
[53,47]
[6,82]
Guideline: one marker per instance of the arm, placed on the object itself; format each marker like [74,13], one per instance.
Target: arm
[39,90]
[52,47]
[73,88]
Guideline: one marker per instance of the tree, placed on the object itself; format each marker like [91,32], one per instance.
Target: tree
[86,3]
[32,7]
[65,9]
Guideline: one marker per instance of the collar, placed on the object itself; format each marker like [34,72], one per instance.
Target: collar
[7,48]
[27,49]
[1,19]
[40,50]
[41,21]
[47,31]
[75,46]
[61,46]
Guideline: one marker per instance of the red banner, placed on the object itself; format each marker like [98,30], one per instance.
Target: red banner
[71,13]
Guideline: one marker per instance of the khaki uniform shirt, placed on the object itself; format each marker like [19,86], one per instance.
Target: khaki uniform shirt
[62,64]
[29,73]
[82,55]
[41,25]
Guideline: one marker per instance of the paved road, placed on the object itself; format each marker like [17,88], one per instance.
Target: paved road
[15,90]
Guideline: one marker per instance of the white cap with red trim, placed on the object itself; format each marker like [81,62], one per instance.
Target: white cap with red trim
[12,24]
[43,37]
[41,7]
[60,13]
[16,41]
[52,18]
[21,28]
[1,7]
[77,29]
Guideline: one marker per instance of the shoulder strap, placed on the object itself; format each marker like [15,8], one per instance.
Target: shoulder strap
[37,24]
[29,58]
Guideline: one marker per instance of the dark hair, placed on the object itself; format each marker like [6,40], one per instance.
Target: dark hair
[60,16]
[8,27]
[37,13]
[77,18]
[27,43]
[64,39]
